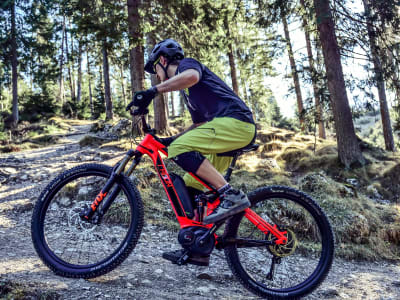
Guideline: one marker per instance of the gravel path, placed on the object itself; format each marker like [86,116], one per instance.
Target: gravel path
[144,275]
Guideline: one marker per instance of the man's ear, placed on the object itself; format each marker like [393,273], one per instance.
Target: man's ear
[163,60]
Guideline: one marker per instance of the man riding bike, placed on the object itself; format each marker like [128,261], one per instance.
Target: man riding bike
[221,123]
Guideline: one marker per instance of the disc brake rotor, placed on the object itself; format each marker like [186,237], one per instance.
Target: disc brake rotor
[284,249]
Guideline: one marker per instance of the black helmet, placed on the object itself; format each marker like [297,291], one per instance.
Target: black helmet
[168,48]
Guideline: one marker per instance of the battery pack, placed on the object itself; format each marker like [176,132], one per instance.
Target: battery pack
[183,194]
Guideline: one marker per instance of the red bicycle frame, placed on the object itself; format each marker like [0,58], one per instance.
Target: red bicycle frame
[152,148]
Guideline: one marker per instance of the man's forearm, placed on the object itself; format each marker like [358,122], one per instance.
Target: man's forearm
[181,81]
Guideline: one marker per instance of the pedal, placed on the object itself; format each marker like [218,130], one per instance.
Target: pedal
[183,259]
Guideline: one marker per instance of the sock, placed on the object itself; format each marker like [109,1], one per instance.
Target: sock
[224,188]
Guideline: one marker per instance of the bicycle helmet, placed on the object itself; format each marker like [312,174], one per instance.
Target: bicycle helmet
[168,48]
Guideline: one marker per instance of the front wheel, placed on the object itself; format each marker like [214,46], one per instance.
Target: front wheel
[73,247]
[287,271]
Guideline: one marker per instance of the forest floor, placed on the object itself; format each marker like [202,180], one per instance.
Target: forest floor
[144,275]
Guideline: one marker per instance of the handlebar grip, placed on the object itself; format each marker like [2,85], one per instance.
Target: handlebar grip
[138,112]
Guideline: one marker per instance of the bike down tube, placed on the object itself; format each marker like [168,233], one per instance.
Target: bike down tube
[265,227]
[151,146]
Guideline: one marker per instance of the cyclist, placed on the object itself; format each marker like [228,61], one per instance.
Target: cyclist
[221,123]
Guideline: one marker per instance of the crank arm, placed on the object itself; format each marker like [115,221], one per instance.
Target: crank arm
[204,238]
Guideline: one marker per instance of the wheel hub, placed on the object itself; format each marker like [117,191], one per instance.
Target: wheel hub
[283,250]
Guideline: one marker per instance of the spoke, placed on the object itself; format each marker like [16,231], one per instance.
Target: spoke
[254,229]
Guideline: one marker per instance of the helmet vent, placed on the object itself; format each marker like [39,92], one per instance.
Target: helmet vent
[156,49]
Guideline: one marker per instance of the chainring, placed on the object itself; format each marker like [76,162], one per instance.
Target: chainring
[283,250]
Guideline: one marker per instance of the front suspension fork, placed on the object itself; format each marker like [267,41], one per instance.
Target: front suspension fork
[88,213]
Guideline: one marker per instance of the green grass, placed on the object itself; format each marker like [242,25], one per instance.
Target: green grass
[30,136]
[364,227]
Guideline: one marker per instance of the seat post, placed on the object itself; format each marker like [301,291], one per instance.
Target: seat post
[231,167]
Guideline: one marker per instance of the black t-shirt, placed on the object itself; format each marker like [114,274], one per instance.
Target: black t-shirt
[211,97]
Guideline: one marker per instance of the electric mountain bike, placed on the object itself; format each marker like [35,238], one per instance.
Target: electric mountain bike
[89,218]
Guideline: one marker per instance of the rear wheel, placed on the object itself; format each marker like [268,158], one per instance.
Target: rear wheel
[73,247]
[287,271]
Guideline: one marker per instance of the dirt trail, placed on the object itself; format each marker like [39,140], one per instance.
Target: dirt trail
[144,275]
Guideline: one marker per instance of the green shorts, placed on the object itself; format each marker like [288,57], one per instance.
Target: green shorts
[217,136]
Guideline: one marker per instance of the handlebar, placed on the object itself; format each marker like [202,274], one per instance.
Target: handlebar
[141,112]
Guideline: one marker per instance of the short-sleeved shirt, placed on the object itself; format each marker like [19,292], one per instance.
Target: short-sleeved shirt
[211,97]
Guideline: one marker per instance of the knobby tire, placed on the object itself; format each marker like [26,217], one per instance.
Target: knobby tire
[238,259]
[50,200]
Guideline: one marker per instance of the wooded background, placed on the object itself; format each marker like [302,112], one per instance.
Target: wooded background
[85,59]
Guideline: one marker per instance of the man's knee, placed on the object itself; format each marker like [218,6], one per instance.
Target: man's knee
[189,161]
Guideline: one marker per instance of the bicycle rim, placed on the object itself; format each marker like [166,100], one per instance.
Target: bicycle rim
[78,244]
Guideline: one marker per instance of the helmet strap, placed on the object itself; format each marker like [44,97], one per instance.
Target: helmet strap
[165,68]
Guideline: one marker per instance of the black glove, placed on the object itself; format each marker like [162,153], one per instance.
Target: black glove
[166,141]
[142,99]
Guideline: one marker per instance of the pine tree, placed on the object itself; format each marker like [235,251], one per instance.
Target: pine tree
[296,81]
[14,64]
[10,52]
[314,80]
[379,79]
[159,103]
[348,148]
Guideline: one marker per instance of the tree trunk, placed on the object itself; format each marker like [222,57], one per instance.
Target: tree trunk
[90,85]
[1,100]
[121,68]
[348,147]
[380,83]
[296,80]
[70,79]
[14,66]
[166,97]
[181,105]
[231,58]
[107,90]
[318,106]
[235,85]
[160,113]
[395,80]
[136,48]
[172,104]
[79,85]
[136,52]
[61,92]
[73,66]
